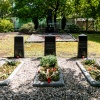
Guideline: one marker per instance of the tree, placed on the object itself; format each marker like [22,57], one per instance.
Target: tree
[33,9]
[86,9]
[38,8]
[59,8]
[5,8]
[91,10]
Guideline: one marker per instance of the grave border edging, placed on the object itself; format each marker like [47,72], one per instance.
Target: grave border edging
[88,76]
[8,80]
[38,83]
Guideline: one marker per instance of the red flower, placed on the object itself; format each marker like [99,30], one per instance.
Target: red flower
[17,57]
[82,57]
[49,80]
[38,71]
[89,69]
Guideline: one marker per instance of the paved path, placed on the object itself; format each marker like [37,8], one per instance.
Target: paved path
[76,87]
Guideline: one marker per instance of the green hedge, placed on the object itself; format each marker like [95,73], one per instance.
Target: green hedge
[6,26]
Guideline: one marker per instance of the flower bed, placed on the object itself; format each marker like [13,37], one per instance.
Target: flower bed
[8,70]
[91,70]
[49,74]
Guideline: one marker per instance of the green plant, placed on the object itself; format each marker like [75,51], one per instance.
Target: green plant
[6,26]
[95,74]
[12,63]
[42,77]
[73,28]
[48,70]
[93,68]
[55,77]
[27,28]
[89,61]
[48,61]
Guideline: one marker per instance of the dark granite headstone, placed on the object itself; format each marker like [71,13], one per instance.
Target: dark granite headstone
[19,46]
[49,28]
[49,16]
[82,46]
[50,45]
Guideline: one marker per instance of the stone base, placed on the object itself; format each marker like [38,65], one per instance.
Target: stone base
[38,83]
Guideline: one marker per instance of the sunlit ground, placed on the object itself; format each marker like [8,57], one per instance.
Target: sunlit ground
[63,49]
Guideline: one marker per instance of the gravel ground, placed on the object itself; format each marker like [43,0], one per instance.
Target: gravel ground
[76,87]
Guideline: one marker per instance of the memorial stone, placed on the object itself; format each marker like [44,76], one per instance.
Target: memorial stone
[50,45]
[18,46]
[49,28]
[82,46]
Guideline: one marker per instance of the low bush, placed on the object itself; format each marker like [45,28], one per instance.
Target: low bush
[6,26]
[48,61]
[27,28]
[73,28]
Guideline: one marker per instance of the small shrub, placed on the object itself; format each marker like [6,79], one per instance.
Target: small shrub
[48,61]
[73,28]
[27,28]
[6,26]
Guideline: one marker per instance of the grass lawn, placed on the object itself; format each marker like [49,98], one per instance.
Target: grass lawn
[63,49]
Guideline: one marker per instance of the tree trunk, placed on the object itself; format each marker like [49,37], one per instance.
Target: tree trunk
[97,25]
[36,23]
[63,23]
[55,12]
[87,24]
[55,19]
